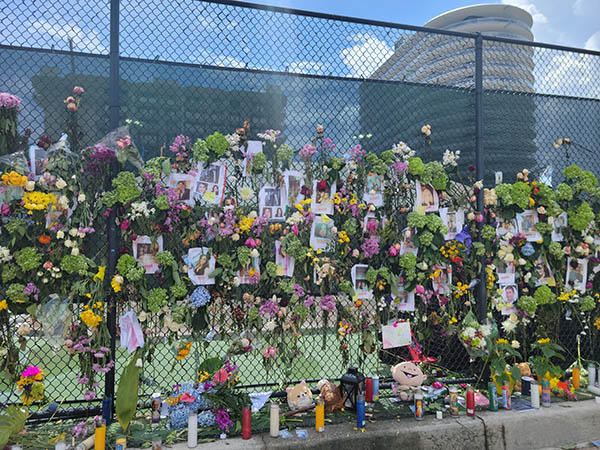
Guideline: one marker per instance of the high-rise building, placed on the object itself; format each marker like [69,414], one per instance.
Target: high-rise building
[437,80]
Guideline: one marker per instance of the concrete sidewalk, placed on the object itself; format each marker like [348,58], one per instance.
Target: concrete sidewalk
[547,428]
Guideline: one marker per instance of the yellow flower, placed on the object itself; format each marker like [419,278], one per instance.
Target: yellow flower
[14,179]
[246,223]
[597,323]
[299,207]
[353,201]
[531,202]
[543,341]
[452,320]
[100,274]
[203,376]
[90,318]
[37,200]
[115,284]
[343,237]
[3,305]
[501,341]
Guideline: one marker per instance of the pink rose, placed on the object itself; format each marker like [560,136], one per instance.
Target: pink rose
[355,253]
[269,352]
[125,224]
[5,209]
[78,90]
[295,229]
[478,217]
[221,376]
[72,107]
[419,289]
[393,251]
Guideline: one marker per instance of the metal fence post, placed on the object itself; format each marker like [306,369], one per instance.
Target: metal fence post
[479,164]
[114,106]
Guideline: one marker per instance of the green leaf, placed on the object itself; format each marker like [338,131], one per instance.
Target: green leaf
[127,391]
[12,423]
[210,365]
[199,321]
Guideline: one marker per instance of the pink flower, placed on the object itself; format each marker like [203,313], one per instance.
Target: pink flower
[371,226]
[269,352]
[48,265]
[125,224]
[393,251]
[419,289]
[478,217]
[437,385]
[78,90]
[187,398]
[322,185]
[31,371]
[221,376]
[69,100]
[5,209]
[250,242]
[355,253]
[295,229]
[72,107]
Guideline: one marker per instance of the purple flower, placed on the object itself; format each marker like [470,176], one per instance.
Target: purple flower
[179,144]
[104,349]
[370,248]
[307,151]
[298,290]
[328,303]
[80,430]
[309,301]
[464,238]
[223,420]
[31,289]
[89,395]
[82,380]
[9,101]
[399,167]
[356,153]
[269,307]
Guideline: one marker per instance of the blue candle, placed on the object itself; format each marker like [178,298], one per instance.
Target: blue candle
[360,411]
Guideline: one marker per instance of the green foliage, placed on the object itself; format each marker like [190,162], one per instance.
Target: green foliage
[126,187]
[580,217]
[178,290]
[157,298]
[12,422]
[243,255]
[217,143]
[527,303]
[587,303]
[28,258]
[415,166]
[9,272]
[544,296]
[350,226]
[166,259]
[435,174]
[564,192]
[16,293]
[74,264]
[127,391]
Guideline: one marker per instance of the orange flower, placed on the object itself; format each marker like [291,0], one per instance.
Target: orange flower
[358,303]
[44,239]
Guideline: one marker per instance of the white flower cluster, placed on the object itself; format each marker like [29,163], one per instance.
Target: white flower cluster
[295,219]
[451,158]
[403,150]
[5,255]
[234,141]
[140,209]
[269,135]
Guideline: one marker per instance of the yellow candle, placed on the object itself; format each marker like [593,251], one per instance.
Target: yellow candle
[576,377]
[320,416]
[100,436]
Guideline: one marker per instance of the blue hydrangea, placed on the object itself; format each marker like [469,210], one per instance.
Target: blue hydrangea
[178,417]
[206,419]
[527,250]
[201,401]
[200,297]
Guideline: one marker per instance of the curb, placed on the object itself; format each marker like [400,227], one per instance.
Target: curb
[562,424]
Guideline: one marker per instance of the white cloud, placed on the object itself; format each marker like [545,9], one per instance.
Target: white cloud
[593,43]
[310,67]
[86,41]
[571,74]
[365,57]
[530,7]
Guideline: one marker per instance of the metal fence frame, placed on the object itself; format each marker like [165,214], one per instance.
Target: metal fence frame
[115,104]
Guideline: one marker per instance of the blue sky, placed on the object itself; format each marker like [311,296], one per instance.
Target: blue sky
[572,23]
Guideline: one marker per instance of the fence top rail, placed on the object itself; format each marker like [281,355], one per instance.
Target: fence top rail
[381,23]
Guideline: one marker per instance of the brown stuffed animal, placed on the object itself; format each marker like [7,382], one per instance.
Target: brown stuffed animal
[331,395]
[525,372]
[299,396]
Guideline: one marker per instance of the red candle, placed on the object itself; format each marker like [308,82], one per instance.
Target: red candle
[369,390]
[246,423]
[470,401]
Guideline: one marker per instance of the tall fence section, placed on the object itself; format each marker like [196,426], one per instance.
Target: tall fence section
[170,68]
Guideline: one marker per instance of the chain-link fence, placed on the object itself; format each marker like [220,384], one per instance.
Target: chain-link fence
[197,67]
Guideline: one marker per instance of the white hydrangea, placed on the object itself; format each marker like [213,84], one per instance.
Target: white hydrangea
[234,141]
[140,209]
[5,255]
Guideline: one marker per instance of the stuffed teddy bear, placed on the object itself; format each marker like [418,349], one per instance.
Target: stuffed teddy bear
[331,395]
[409,377]
[299,396]
[525,372]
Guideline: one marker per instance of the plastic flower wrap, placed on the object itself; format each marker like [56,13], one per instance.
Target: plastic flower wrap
[476,337]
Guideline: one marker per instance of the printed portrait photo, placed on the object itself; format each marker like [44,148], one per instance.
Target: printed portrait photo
[144,251]
[201,262]
[505,227]
[374,189]
[426,198]
[453,220]
[321,200]
[293,181]
[184,185]
[510,294]
[442,281]
[283,260]
[359,281]
[404,300]
[320,233]
[407,245]
[576,274]
[559,225]
[526,225]
[271,203]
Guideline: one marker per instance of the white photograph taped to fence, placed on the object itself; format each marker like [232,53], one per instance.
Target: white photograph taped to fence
[184,185]
[59,215]
[210,184]
[505,227]
[407,245]
[543,273]
[453,220]
[321,200]
[271,203]
[559,224]
[442,280]
[576,274]
[510,295]
[526,224]
[427,199]
[144,252]
[246,272]
[404,300]
[321,236]
[254,147]
[201,263]
[359,281]
[374,189]
[38,158]
[285,263]
[293,181]
[505,273]
[396,334]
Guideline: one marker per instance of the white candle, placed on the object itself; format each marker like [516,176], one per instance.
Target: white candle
[591,374]
[439,415]
[535,395]
[192,430]
[274,423]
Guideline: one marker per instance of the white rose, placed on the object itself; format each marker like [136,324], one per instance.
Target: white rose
[60,234]
[24,329]
[334,230]
[81,198]
[138,362]
[30,186]
[270,325]
[254,253]
[73,232]
[471,216]
[245,342]
[69,243]
[509,258]
[589,240]
[74,251]
[372,207]
[515,344]
[236,281]
[60,183]
[541,210]
[253,214]
[143,316]
[522,262]
[119,279]
[235,237]
[527,277]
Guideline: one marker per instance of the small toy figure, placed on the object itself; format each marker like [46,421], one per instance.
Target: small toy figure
[299,396]
[331,395]
[409,377]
